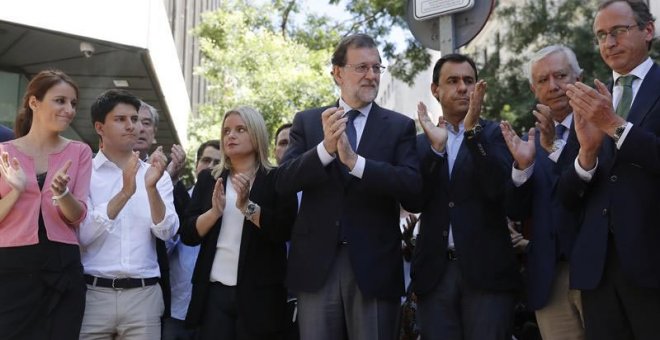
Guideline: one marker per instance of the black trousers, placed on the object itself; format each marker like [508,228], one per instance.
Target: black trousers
[619,310]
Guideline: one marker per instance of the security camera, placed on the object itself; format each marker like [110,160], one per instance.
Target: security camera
[87,49]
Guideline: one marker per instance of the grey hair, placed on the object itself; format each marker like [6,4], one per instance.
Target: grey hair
[548,50]
[154,113]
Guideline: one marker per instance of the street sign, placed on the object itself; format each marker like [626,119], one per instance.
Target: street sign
[449,32]
[427,9]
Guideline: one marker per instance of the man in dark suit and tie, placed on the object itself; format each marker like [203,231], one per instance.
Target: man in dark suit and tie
[615,180]
[464,270]
[354,162]
[539,161]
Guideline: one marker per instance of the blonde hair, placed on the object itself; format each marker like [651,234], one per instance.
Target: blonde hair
[256,129]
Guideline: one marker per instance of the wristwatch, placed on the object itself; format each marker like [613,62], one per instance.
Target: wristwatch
[473,132]
[619,132]
[249,211]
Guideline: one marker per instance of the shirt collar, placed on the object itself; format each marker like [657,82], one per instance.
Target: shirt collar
[568,120]
[363,110]
[640,71]
[99,160]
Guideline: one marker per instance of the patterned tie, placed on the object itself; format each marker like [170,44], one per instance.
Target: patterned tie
[351,133]
[559,131]
[626,95]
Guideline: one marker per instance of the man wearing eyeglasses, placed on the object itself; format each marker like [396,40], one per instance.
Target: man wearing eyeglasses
[615,180]
[182,257]
[355,162]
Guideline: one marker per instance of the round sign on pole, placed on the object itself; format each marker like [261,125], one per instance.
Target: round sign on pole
[467,25]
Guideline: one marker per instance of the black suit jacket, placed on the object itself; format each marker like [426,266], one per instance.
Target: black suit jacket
[554,227]
[261,295]
[473,202]
[6,133]
[624,196]
[367,208]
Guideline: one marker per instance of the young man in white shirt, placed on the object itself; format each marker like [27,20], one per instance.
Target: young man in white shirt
[130,205]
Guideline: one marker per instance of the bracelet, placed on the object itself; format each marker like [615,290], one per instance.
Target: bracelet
[57,197]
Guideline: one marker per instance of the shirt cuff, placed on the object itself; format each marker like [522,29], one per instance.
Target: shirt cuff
[358,169]
[623,135]
[441,154]
[519,177]
[585,175]
[325,157]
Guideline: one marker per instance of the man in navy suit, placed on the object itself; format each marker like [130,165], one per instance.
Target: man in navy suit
[6,133]
[354,162]
[616,180]
[464,270]
[538,164]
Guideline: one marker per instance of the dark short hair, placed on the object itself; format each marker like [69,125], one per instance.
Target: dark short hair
[107,101]
[283,127]
[357,40]
[640,10]
[453,58]
[37,87]
[214,143]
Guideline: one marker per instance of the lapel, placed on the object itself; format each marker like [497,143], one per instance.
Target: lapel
[647,95]
[373,129]
[461,158]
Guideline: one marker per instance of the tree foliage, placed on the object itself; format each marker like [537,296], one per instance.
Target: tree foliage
[248,61]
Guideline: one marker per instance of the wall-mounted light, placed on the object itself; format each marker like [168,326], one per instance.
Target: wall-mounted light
[87,49]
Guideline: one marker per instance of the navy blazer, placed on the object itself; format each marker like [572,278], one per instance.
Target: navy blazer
[473,201]
[552,224]
[260,292]
[367,208]
[6,133]
[624,196]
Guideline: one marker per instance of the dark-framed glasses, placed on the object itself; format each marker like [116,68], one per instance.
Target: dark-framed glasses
[364,68]
[615,32]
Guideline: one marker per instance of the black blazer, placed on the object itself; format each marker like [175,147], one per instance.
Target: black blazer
[624,196]
[554,227]
[367,208]
[473,202]
[261,295]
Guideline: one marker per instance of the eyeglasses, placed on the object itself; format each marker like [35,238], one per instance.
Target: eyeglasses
[615,32]
[207,160]
[364,68]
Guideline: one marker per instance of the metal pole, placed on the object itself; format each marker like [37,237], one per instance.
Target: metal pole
[446,34]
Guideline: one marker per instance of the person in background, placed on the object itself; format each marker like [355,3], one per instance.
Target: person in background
[281,141]
[149,118]
[464,270]
[615,180]
[44,183]
[182,258]
[131,205]
[241,224]
[550,150]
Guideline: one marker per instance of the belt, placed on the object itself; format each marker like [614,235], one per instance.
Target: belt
[451,255]
[120,283]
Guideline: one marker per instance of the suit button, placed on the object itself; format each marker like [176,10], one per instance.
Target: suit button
[445,233]
[605,212]
[613,178]
[451,204]
[337,223]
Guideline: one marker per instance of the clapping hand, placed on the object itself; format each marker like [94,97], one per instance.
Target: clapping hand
[523,152]
[12,172]
[437,134]
[61,179]
[155,172]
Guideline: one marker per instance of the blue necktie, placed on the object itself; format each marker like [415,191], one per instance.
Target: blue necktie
[625,101]
[559,131]
[351,133]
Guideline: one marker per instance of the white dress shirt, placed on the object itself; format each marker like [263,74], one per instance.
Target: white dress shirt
[125,246]
[225,263]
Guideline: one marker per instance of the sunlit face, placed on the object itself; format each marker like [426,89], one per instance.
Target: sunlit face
[455,83]
[358,89]
[210,158]
[623,53]
[57,108]
[281,144]
[120,129]
[235,138]
[550,76]
[147,132]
